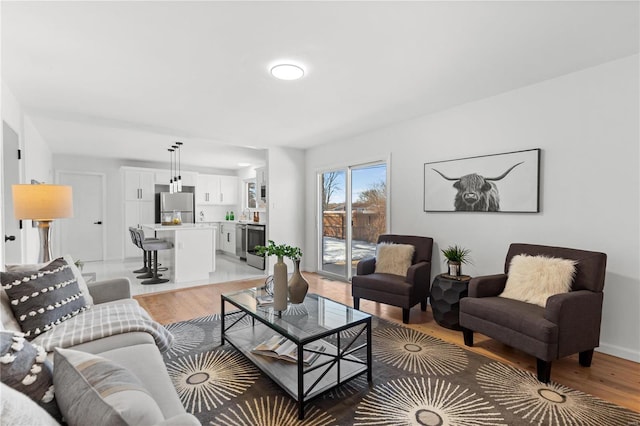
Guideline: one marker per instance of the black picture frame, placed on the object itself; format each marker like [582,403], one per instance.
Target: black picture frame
[474,184]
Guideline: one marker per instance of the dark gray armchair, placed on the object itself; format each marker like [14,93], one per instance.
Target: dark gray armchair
[568,324]
[403,291]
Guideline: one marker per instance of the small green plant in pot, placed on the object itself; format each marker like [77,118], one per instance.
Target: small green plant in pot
[297,287]
[455,256]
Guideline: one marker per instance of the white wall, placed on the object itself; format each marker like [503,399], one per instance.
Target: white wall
[587,125]
[286,198]
[36,164]
[11,112]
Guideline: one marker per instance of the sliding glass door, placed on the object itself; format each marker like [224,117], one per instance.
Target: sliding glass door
[353,203]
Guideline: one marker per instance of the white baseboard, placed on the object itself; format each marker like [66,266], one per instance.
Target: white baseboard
[619,351]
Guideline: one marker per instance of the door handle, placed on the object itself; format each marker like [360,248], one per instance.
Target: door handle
[98,222]
[9,238]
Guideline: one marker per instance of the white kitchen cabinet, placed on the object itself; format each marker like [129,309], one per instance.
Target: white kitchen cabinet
[136,214]
[219,237]
[188,178]
[216,190]
[139,205]
[207,188]
[261,176]
[228,238]
[228,190]
[138,185]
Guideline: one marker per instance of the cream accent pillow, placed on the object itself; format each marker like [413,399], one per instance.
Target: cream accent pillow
[393,258]
[533,279]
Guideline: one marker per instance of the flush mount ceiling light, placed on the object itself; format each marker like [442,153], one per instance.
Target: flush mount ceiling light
[287,71]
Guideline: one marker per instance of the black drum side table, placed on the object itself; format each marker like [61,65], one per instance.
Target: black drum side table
[446,292]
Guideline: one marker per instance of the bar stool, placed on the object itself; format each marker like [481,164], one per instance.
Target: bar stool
[151,247]
[146,268]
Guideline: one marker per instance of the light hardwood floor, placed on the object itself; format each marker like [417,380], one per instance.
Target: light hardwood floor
[610,378]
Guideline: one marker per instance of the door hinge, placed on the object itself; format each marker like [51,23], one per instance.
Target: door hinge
[19,154]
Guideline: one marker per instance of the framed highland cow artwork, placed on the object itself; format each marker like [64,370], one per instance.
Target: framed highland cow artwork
[508,182]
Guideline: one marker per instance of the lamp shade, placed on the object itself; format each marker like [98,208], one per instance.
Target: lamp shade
[42,202]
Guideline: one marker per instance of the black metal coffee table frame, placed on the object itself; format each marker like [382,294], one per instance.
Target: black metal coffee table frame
[335,365]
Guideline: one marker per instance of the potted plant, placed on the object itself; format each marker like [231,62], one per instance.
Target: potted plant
[455,256]
[79,264]
[272,249]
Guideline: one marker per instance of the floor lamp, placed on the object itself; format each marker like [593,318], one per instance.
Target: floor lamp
[42,203]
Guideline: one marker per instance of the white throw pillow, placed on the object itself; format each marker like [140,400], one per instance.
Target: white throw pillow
[534,279]
[394,258]
[18,409]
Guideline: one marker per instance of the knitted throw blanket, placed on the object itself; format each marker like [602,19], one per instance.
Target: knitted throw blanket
[103,320]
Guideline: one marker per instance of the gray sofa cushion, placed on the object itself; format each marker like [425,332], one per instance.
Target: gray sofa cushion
[386,283]
[521,317]
[94,390]
[43,298]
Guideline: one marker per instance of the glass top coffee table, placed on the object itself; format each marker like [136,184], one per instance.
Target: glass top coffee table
[342,333]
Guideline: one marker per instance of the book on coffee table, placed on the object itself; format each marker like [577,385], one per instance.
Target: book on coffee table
[266,299]
[282,348]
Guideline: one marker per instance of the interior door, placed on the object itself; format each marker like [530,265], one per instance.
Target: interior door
[82,236]
[11,176]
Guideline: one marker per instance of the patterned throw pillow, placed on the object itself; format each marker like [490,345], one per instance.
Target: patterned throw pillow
[67,257]
[95,388]
[43,298]
[24,367]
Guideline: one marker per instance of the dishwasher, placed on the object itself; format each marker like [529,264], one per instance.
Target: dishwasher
[241,241]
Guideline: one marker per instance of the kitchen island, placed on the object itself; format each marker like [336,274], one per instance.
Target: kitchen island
[193,256]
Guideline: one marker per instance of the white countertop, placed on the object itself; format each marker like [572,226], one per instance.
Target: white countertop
[233,222]
[183,227]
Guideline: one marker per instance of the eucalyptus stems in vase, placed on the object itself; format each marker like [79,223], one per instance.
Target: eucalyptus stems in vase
[280,288]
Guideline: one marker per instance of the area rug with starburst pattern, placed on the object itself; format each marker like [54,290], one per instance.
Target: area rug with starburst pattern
[417,380]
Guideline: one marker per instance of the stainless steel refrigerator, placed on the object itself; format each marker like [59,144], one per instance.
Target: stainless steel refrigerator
[179,202]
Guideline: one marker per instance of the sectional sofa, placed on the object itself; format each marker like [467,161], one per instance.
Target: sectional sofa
[86,350]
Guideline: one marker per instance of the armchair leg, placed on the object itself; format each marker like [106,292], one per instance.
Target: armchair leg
[468,336]
[544,370]
[585,358]
[405,315]
[423,305]
[356,303]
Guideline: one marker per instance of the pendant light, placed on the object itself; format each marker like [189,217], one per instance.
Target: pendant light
[171,171]
[175,168]
[179,169]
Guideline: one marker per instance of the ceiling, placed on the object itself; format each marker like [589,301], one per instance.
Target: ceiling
[126,79]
